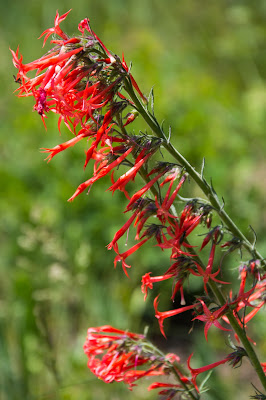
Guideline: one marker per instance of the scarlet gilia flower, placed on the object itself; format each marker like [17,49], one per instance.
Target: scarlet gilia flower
[178,271]
[132,172]
[179,230]
[136,196]
[153,230]
[242,297]
[211,317]
[130,117]
[168,390]
[234,359]
[255,298]
[121,257]
[181,269]
[122,230]
[163,213]
[117,355]
[207,273]
[148,281]
[148,209]
[56,30]
[162,315]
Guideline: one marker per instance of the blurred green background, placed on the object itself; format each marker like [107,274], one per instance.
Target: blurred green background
[207,64]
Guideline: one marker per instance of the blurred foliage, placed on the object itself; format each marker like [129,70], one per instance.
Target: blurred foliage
[207,65]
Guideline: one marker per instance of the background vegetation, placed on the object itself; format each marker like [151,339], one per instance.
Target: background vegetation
[207,64]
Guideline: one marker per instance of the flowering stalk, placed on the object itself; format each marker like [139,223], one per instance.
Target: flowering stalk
[198,178]
[214,201]
[90,89]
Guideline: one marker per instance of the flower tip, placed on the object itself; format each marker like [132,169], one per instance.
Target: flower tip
[156,302]
[163,333]
[72,197]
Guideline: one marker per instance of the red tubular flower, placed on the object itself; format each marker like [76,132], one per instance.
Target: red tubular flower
[130,118]
[57,30]
[181,270]
[63,146]
[157,385]
[215,235]
[166,314]
[234,359]
[163,213]
[196,371]
[104,171]
[179,230]
[131,173]
[147,209]
[211,318]
[123,256]
[116,355]
[251,314]
[207,273]
[169,201]
[143,190]
[169,389]
[121,231]
[251,296]
[172,175]
[243,297]
[147,282]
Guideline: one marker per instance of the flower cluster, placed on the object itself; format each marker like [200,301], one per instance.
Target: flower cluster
[97,98]
[117,355]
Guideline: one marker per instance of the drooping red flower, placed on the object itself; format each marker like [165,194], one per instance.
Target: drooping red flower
[179,230]
[148,281]
[161,315]
[137,195]
[234,359]
[163,209]
[121,257]
[122,230]
[196,371]
[117,355]
[100,173]
[129,176]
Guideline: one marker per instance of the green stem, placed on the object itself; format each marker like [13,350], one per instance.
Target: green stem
[201,182]
[214,201]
